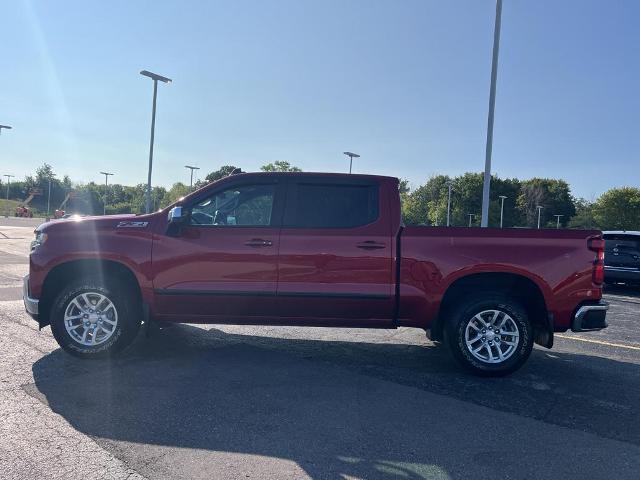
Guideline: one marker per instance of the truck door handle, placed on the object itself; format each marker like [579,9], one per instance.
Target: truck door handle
[370,245]
[258,242]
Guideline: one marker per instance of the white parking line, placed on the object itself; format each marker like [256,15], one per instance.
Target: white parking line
[600,342]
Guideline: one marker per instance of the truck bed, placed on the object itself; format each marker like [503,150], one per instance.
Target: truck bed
[557,262]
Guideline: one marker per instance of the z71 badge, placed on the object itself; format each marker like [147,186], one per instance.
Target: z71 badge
[127,224]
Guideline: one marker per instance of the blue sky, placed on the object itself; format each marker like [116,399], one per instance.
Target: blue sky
[403,83]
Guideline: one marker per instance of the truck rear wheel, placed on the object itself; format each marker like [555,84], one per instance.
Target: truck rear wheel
[490,334]
[94,319]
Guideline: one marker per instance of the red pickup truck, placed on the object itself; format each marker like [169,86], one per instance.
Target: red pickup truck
[318,250]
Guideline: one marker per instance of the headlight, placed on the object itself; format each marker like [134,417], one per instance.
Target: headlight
[39,240]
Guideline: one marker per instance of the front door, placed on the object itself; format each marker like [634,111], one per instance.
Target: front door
[223,266]
[335,254]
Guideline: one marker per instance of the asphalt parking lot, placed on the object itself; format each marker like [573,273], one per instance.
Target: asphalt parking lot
[282,402]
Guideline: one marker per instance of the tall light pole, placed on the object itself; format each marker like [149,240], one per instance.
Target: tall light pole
[502,199]
[7,127]
[471,215]
[351,156]
[492,102]
[539,212]
[155,77]
[106,184]
[449,204]
[9,177]
[558,217]
[192,169]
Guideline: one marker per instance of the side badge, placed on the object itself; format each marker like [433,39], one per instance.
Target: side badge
[128,224]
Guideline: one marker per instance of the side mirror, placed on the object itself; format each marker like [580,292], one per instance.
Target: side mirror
[176,215]
[176,218]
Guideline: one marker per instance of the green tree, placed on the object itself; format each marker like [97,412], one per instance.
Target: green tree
[554,195]
[403,186]
[44,173]
[420,206]
[175,193]
[584,215]
[618,209]
[222,172]
[280,166]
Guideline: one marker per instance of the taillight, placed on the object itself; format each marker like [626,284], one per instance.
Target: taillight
[596,244]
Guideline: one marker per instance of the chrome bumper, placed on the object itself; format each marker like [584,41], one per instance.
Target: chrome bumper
[590,317]
[30,304]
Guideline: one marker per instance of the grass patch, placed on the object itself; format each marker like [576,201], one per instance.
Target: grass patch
[12,205]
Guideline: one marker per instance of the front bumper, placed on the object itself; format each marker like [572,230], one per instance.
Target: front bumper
[590,317]
[30,304]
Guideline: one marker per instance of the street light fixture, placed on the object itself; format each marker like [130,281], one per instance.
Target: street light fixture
[192,169]
[502,199]
[155,77]
[471,215]
[351,156]
[106,183]
[492,103]
[558,217]
[9,177]
[6,127]
[539,212]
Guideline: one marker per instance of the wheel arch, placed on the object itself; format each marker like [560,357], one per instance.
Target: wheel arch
[62,274]
[513,285]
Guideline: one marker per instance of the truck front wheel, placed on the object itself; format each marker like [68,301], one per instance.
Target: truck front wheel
[94,319]
[490,334]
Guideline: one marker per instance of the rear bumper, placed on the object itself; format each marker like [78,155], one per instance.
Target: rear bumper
[30,304]
[621,274]
[590,317]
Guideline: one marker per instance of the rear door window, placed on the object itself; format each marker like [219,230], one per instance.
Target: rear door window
[322,205]
[622,242]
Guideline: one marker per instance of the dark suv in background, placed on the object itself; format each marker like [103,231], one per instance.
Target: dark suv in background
[622,257]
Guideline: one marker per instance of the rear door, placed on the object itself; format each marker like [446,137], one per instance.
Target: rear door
[335,264]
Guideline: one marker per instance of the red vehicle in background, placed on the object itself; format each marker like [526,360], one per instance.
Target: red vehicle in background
[317,250]
[23,211]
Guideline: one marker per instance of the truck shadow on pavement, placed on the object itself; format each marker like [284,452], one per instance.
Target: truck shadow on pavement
[338,409]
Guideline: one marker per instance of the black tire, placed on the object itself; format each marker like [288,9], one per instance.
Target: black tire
[465,312]
[129,317]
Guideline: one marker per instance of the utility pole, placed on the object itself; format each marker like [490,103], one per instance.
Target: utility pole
[155,77]
[49,200]
[502,198]
[106,184]
[558,217]
[9,177]
[539,212]
[471,215]
[449,204]
[492,102]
